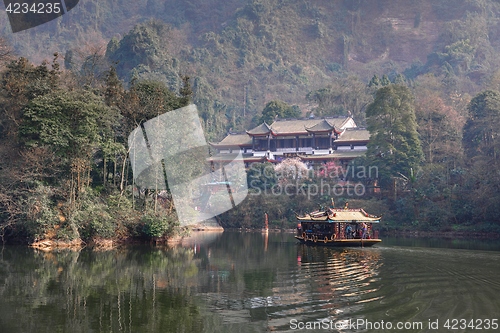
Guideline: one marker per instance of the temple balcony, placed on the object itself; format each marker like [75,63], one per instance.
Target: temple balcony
[287,150]
[307,150]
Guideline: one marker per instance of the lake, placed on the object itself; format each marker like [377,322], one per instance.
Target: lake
[250,282]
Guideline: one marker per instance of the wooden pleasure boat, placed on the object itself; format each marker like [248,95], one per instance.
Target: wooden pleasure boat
[338,227]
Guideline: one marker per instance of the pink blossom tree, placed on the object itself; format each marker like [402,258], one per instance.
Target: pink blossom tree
[291,168]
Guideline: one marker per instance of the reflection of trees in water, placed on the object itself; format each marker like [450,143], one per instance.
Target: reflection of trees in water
[245,264]
[139,289]
[242,283]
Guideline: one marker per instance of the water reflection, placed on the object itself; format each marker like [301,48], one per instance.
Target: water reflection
[329,285]
[269,289]
[448,243]
[427,284]
[241,282]
[130,290]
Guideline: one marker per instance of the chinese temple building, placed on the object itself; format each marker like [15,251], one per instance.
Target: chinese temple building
[314,140]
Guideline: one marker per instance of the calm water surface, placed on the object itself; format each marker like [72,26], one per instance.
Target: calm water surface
[247,282]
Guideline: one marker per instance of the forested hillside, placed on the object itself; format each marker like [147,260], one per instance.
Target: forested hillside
[242,54]
[430,67]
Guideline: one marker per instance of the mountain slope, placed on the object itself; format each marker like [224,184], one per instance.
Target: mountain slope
[242,54]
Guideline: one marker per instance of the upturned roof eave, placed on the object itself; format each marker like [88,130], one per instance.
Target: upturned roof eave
[221,145]
[265,127]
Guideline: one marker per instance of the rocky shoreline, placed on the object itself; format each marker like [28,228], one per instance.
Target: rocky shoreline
[108,244]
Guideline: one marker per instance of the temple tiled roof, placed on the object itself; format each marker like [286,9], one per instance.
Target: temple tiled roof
[322,126]
[300,126]
[262,129]
[293,126]
[234,139]
[354,135]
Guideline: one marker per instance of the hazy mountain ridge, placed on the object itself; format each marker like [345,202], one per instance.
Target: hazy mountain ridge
[243,54]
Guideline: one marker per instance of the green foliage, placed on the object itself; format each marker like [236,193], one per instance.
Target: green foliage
[250,213]
[400,79]
[261,176]
[93,218]
[120,278]
[157,225]
[214,39]
[39,212]
[374,82]
[142,45]
[101,225]
[394,145]
[385,80]
[141,55]
[459,55]
[70,122]
[278,109]
[439,125]
[186,91]
[148,99]
[481,129]
[69,139]
[232,51]
[21,82]
[416,69]
[211,110]
[481,142]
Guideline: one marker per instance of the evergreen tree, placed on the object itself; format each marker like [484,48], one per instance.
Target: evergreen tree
[186,92]
[394,143]
[482,147]
[114,88]
[400,79]
[481,131]
[385,80]
[374,82]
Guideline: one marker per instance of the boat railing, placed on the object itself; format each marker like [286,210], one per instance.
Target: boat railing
[338,233]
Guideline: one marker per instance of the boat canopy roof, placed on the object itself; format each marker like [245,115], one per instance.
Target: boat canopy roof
[340,215]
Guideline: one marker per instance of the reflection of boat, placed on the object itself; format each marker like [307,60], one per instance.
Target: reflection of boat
[338,227]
